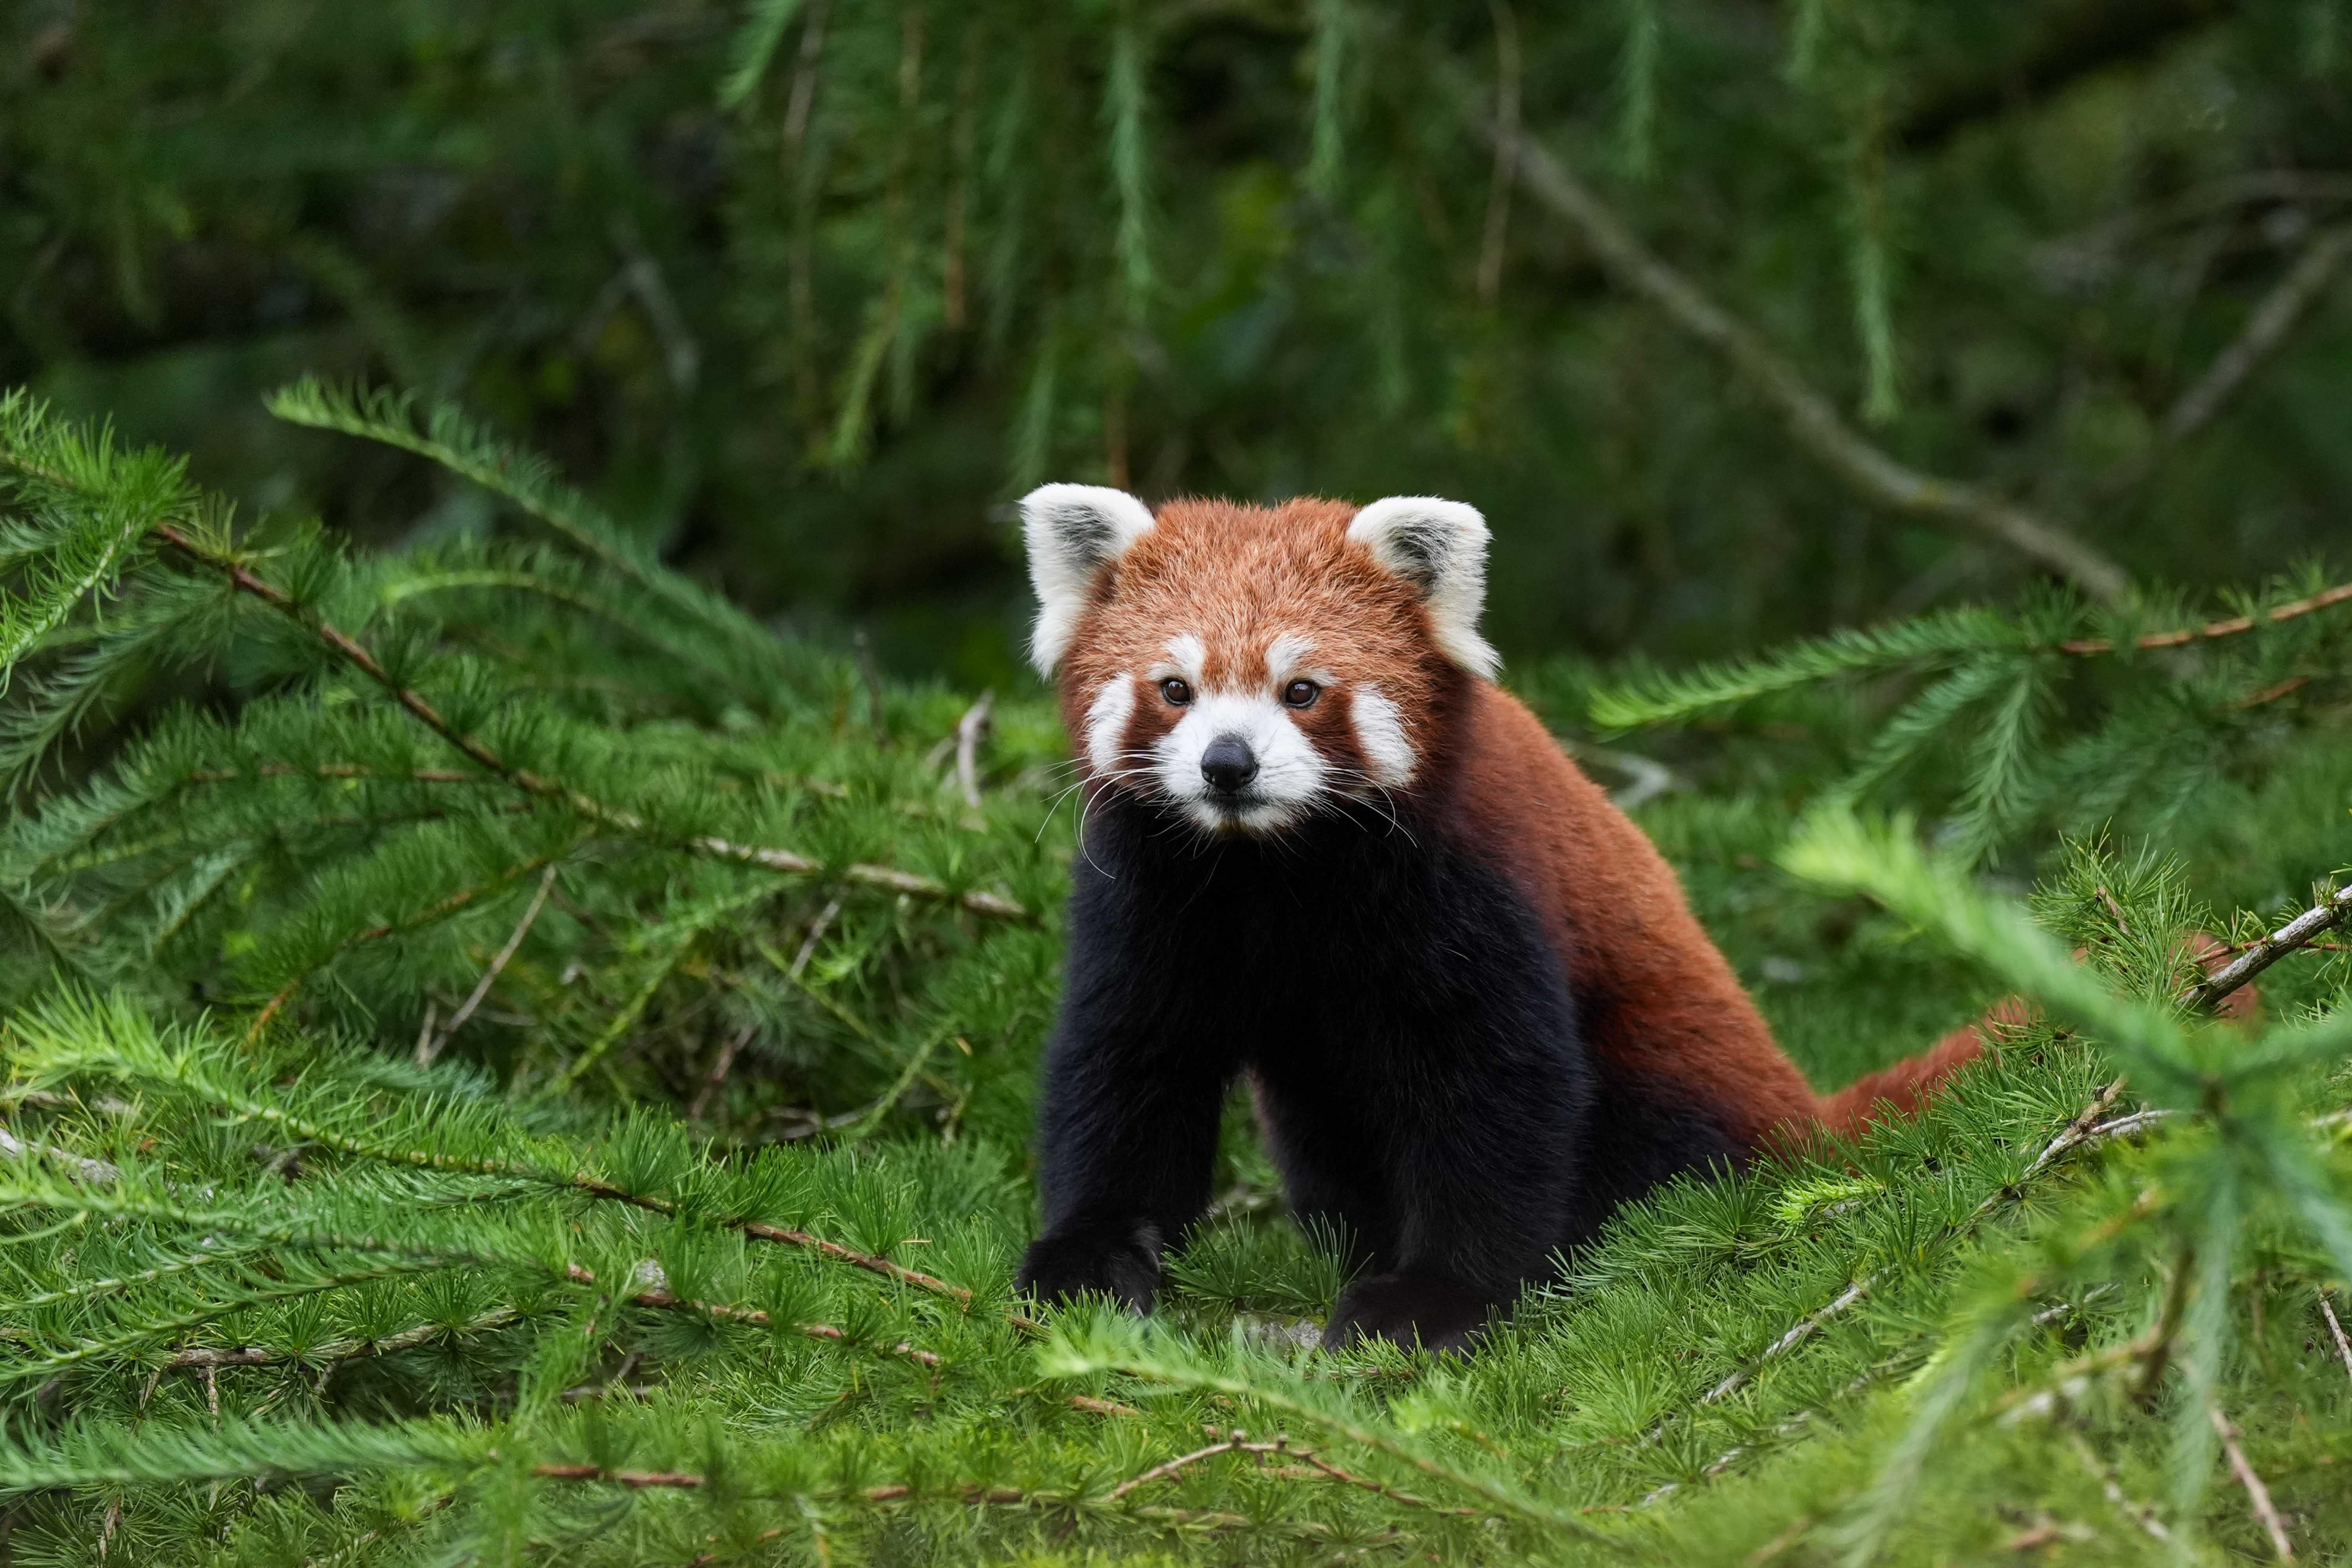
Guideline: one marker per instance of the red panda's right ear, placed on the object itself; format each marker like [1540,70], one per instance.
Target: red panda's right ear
[1072,533]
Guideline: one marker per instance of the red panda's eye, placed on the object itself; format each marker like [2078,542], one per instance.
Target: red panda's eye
[1301,694]
[1175,691]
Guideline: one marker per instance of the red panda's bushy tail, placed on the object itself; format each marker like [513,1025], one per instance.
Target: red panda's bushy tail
[1904,1087]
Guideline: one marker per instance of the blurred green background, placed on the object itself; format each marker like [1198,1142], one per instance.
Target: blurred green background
[820,286]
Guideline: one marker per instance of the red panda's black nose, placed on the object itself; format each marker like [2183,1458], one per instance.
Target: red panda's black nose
[1228,764]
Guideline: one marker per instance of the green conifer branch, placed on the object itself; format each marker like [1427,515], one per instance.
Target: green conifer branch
[71,1038]
[611,818]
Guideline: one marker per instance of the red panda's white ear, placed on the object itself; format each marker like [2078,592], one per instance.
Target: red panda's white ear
[1439,547]
[1072,533]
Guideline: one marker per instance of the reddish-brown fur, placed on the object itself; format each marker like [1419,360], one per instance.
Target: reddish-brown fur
[1661,1003]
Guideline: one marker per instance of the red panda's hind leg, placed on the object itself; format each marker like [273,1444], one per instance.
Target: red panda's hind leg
[1438,1313]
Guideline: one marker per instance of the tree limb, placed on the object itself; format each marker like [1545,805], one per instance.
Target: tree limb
[2320,917]
[2181,636]
[2343,1345]
[2259,1493]
[1808,417]
[2303,287]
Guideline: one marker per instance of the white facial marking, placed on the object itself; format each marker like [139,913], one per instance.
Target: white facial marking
[1290,773]
[1106,718]
[1380,732]
[1285,655]
[1186,658]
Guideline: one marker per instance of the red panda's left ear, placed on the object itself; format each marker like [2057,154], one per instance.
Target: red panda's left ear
[1072,533]
[1439,547]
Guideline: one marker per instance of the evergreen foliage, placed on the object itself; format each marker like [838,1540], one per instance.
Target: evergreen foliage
[1988,694]
[511,1061]
[807,289]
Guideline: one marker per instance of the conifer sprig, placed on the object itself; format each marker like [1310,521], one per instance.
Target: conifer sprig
[1986,687]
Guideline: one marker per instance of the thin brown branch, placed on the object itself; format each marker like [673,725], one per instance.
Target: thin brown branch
[1310,1463]
[2158,1355]
[98,1173]
[611,819]
[337,1350]
[971,733]
[720,1066]
[590,1186]
[2255,1489]
[759,1230]
[1810,419]
[1159,1472]
[2139,1514]
[2314,272]
[2076,1133]
[2343,1345]
[661,1297]
[1381,1489]
[1796,1334]
[2298,932]
[2181,636]
[2042,1399]
[428,1049]
[636,1479]
[441,910]
[337,770]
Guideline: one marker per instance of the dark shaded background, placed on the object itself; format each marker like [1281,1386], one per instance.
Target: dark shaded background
[820,286]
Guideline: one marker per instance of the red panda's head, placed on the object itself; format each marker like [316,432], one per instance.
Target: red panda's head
[1246,666]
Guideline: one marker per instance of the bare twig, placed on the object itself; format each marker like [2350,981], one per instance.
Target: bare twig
[211,1358]
[1233,1445]
[2321,918]
[2259,1493]
[971,733]
[441,910]
[98,1173]
[2343,1346]
[1797,1334]
[719,1067]
[2076,1133]
[2183,636]
[1811,422]
[1237,1441]
[610,818]
[2045,1398]
[657,1294]
[1780,1543]
[427,1050]
[2139,1514]
[2309,278]
[817,928]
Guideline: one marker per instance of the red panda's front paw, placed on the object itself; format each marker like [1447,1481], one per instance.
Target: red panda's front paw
[1120,1260]
[1412,1309]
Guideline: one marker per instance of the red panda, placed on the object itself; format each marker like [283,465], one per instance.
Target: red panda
[1323,850]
